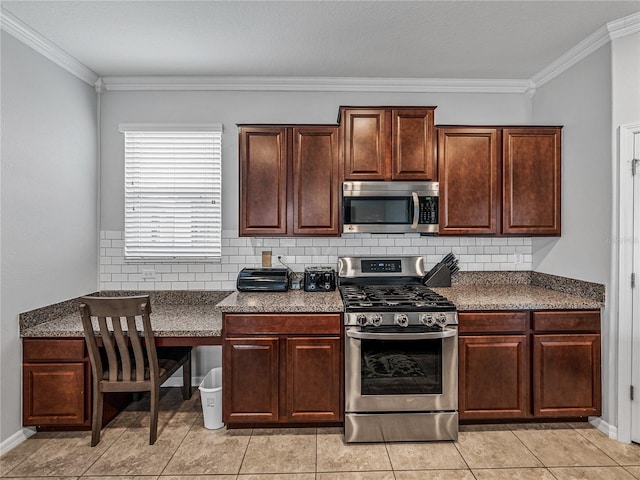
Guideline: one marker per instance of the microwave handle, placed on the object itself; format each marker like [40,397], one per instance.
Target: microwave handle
[416,210]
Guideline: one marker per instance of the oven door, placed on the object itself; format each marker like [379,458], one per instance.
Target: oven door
[397,370]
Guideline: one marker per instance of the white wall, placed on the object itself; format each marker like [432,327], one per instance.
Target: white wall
[48,201]
[580,100]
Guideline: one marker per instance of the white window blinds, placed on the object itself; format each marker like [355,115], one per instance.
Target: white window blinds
[172,191]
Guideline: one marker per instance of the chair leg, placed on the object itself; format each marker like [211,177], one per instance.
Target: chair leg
[96,417]
[155,400]
[186,378]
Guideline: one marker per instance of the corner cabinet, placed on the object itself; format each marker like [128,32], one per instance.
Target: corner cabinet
[529,365]
[289,180]
[389,144]
[499,180]
[282,369]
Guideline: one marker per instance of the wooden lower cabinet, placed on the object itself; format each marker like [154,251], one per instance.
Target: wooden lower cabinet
[529,365]
[56,386]
[250,379]
[281,369]
[56,383]
[494,377]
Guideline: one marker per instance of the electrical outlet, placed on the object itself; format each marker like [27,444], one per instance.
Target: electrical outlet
[518,258]
[148,274]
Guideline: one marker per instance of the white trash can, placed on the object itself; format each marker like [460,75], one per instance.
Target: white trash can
[211,399]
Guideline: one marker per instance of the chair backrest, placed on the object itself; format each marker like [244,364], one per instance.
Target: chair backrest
[116,319]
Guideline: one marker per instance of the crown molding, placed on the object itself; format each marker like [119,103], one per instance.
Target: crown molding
[317,84]
[612,30]
[624,26]
[33,39]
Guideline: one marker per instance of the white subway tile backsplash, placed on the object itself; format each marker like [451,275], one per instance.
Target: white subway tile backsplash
[473,253]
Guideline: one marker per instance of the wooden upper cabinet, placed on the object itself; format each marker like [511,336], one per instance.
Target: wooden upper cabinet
[289,180]
[499,180]
[367,150]
[263,180]
[531,186]
[413,141]
[389,144]
[316,181]
[468,163]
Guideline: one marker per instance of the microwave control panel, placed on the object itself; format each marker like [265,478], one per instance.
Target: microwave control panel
[428,210]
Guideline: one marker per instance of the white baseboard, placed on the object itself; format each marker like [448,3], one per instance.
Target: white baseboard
[176,381]
[16,439]
[610,431]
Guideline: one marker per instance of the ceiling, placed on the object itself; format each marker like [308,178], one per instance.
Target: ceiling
[478,39]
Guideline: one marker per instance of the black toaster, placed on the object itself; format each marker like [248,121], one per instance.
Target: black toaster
[319,279]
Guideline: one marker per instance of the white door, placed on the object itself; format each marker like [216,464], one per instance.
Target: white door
[635,292]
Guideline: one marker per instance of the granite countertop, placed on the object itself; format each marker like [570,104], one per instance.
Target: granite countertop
[292,301]
[199,313]
[514,297]
[173,314]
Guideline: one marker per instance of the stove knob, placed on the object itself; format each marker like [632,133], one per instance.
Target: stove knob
[361,319]
[427,319]
[401,319]
[375,319]
[441,319]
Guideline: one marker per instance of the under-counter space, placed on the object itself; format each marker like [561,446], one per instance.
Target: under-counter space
[514,297]
[293,301]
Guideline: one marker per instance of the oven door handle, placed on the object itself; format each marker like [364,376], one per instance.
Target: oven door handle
[416,210]
[449,332]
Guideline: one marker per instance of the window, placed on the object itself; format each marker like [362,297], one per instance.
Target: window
[172,191]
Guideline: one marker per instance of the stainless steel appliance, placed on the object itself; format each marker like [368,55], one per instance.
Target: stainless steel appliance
[390,207]
[319,279]
[401,352]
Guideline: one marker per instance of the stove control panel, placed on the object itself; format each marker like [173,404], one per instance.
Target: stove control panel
[401,319]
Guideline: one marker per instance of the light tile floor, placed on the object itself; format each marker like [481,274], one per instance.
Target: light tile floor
[185,450]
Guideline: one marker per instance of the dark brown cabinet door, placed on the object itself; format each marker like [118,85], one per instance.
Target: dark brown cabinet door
[263,181]
[468,163]
[413,141]
[531,185]
[493,377]
[313,379]
[54,393]
[367,150]
[250,379]
[566,375]
[316,181]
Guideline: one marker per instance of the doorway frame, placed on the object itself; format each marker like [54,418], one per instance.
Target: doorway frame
[624,297]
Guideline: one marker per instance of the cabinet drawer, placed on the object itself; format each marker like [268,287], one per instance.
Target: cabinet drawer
[282,324]
[492,322]
[573,321]
[50,349]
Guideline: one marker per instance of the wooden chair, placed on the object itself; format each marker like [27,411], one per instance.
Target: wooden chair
[126,362]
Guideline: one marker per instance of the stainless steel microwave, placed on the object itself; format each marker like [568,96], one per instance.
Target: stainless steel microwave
[390,207]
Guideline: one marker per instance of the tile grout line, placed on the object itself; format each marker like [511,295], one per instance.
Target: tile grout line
[193,422]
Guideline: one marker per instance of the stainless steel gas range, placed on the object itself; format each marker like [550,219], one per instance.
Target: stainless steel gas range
[401,352]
